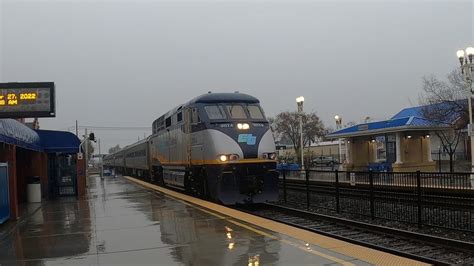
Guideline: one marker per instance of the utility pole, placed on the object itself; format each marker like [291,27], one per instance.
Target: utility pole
[338,126]
[77,132]
[86,154]
[299,102]
[100,161]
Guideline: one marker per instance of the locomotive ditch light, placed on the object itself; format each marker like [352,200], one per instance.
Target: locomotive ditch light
[228,157]
[269,155]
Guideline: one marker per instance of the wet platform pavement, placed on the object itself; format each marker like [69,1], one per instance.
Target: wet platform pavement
[124,223]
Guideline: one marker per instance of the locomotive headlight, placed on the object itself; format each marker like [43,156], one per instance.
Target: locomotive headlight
[243,126]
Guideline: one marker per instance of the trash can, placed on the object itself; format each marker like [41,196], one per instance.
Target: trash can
[33,190]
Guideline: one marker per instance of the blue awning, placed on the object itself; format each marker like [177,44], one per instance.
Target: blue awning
[59,141]
[15,133]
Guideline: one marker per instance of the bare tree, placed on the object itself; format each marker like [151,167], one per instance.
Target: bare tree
[286,124]
[445,105]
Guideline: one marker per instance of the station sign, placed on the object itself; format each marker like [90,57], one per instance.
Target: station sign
[27,99]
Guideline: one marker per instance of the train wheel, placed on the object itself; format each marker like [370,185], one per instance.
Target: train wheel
[159,177]
[189,183]
[204,188]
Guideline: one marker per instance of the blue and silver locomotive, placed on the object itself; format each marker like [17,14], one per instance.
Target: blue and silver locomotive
[218,146]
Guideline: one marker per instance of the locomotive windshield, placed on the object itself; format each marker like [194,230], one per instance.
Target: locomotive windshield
[215,112]
[234,111]
[255,112]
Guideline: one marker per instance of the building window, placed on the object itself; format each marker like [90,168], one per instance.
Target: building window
[380,149]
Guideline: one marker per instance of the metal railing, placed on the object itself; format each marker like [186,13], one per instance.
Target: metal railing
[426,199]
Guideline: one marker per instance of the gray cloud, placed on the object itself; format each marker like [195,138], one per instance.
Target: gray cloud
[120,63]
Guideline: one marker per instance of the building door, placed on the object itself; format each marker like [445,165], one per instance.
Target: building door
[4,195]
[391,149]
[62,171]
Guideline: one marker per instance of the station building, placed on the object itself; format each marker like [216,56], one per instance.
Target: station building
[28,155]
[403,143]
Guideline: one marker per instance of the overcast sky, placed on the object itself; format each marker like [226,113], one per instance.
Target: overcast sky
[124,63]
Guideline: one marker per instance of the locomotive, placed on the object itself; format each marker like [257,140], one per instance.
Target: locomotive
[217,146]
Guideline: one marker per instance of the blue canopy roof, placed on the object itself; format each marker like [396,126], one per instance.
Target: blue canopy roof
[58,141]
[407,112]
[450,111]
[15,133]
[406,119]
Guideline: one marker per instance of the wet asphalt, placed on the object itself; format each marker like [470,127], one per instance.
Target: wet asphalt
[120,223]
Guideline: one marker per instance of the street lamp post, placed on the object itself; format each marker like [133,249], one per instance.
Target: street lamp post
[300,101]
[338,126]
[467,67]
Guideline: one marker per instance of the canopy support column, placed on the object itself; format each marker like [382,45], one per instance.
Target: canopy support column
[398,148]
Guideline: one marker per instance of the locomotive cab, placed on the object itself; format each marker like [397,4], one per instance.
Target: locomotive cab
[219,146]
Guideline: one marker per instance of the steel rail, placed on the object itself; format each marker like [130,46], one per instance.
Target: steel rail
[437,244]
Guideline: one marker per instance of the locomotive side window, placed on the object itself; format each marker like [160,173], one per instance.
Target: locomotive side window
[180,116]
[168,121]
[215,112]
[255,112]
[236,111]
[195,116]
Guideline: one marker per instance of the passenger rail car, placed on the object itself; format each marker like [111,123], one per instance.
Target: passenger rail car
[218,145]
[136,159]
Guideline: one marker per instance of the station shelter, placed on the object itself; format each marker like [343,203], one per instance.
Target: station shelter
[402,143]
[28,155]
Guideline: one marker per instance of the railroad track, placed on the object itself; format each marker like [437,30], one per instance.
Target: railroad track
[426,248]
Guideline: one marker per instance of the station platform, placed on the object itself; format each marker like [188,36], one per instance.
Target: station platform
[124,221]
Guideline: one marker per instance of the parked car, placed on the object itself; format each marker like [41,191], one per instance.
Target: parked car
[107,172]
[324,161]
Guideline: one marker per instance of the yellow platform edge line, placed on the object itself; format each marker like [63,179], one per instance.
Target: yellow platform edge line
[368,255]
